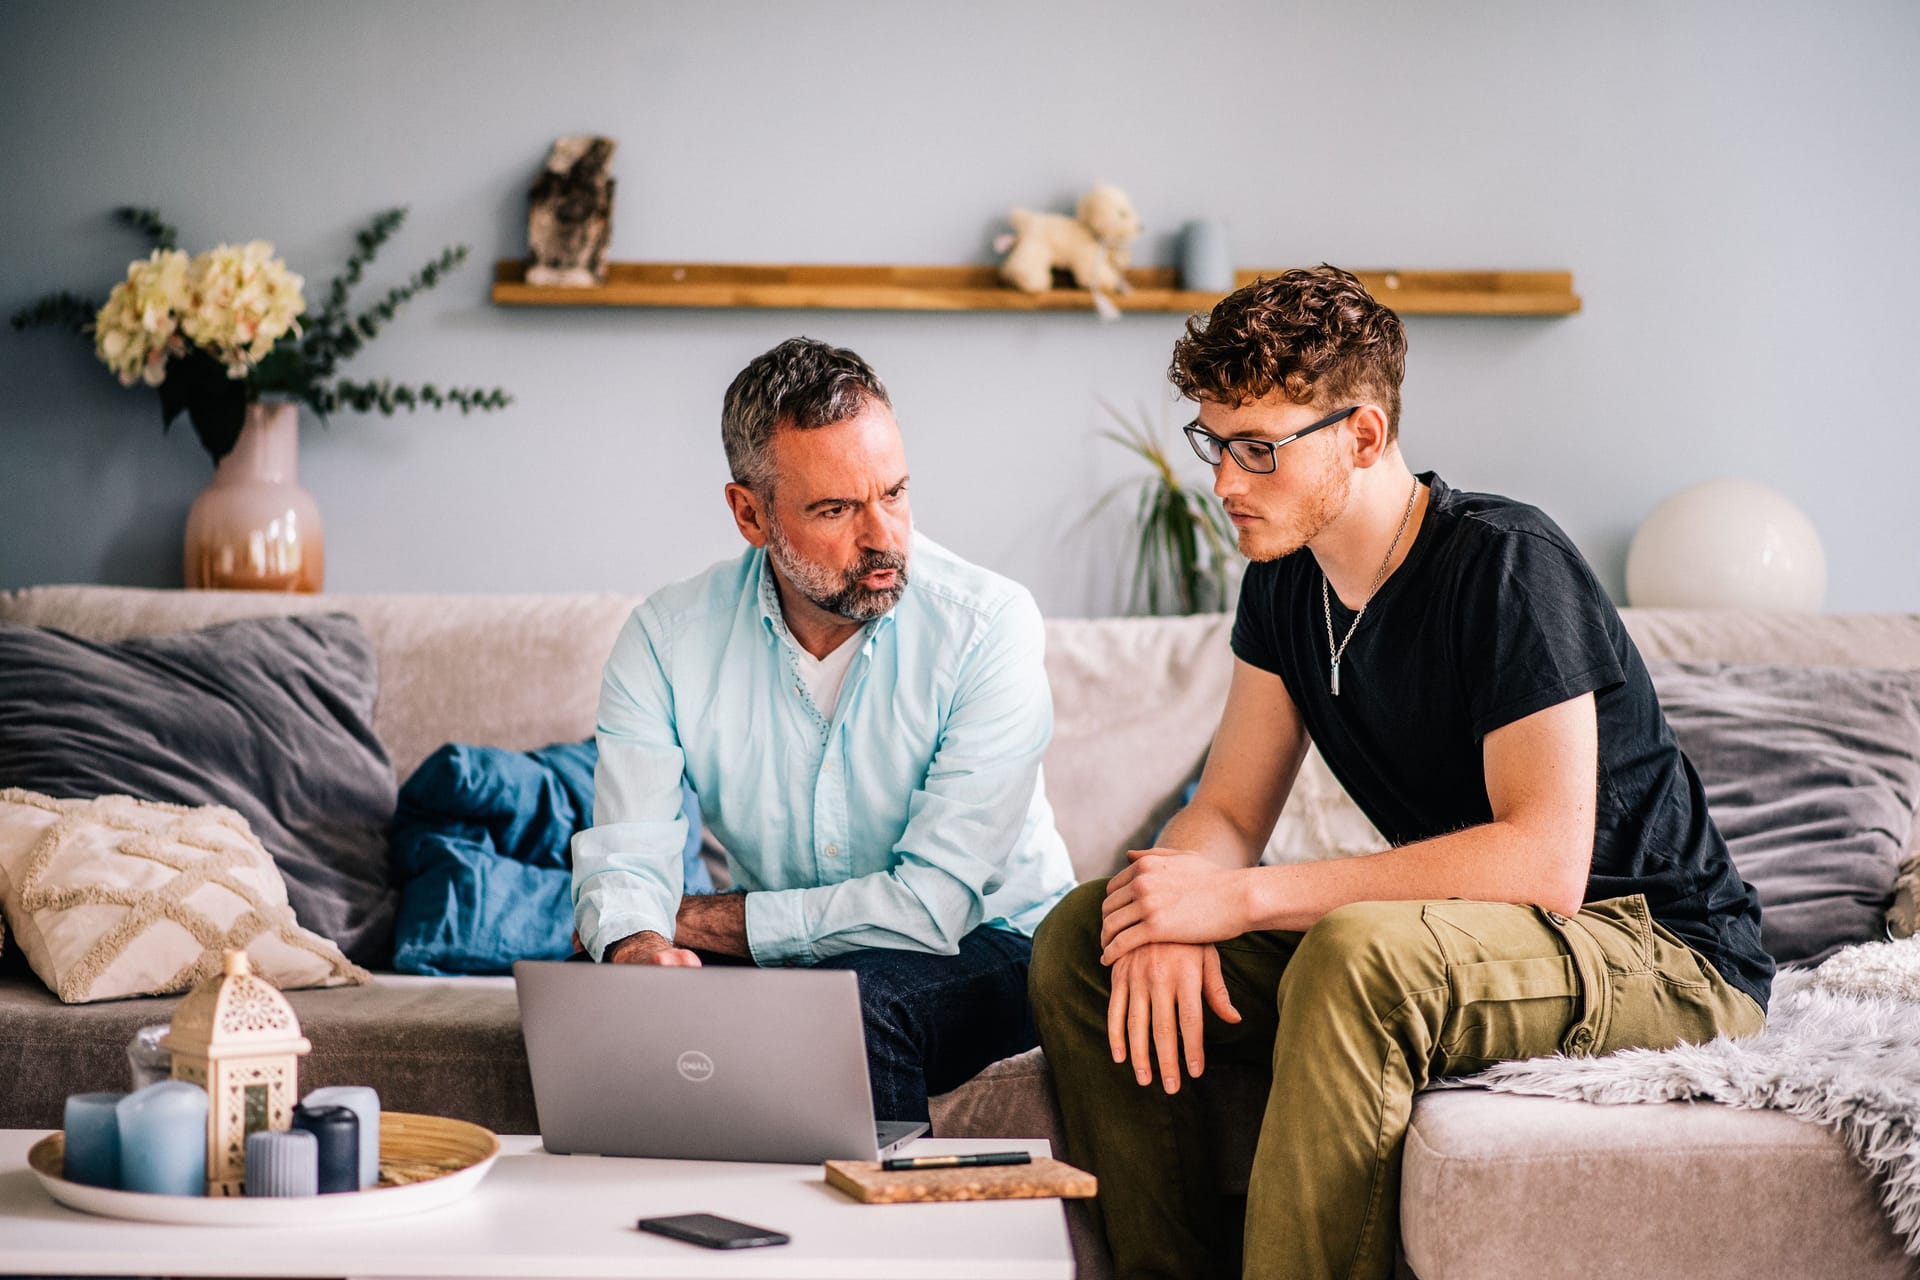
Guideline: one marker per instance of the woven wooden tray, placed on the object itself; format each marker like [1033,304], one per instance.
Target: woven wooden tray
[425,1162]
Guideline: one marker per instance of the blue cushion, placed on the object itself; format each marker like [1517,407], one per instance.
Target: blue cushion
[481,850]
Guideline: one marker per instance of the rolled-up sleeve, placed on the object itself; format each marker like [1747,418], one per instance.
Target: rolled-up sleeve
[964,822]
[627,868]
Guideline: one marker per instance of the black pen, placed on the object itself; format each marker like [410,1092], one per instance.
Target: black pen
[955,1162]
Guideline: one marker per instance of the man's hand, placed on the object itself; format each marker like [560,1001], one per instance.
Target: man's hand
[1158,992]
[715,922]
[1171,896]
[649,948]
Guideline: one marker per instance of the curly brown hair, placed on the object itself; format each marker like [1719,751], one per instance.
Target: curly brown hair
[1313,334]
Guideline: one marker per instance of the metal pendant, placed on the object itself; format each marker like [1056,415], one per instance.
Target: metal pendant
[1336,677]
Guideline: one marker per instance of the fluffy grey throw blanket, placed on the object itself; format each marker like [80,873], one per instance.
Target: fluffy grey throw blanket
[1841,1048]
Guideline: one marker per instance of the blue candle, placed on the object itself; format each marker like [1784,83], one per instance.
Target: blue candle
[365,1104]
[93,1139]
[163,1139]
[338,1131]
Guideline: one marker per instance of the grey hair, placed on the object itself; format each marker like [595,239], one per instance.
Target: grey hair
[803,384]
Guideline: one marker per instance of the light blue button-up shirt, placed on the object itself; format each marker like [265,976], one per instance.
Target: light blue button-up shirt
[909,816]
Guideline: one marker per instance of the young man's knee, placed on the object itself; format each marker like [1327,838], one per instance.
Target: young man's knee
[1067,939]
[1366,944]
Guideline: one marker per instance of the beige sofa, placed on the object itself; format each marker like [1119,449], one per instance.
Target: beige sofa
[1494,1185]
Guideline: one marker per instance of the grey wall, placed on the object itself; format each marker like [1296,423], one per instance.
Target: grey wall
[1735,186]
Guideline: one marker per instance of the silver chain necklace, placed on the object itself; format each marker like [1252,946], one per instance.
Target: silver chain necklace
[1326,604]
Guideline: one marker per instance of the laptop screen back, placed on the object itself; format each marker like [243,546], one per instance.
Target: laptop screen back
[704,1064]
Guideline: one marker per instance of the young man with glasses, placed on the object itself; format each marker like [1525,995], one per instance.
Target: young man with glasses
[1554,883]
[865,745]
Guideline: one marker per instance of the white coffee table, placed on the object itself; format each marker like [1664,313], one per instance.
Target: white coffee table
[539,1215]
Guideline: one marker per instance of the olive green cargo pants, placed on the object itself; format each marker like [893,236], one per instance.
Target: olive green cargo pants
[1352,1017]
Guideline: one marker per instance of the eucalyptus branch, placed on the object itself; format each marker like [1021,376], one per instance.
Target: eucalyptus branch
[194,376]
[328,341]
[388,397]
[149,222]
[61,310]
[383,311]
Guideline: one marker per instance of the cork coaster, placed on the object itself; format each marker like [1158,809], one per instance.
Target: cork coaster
[868,1183]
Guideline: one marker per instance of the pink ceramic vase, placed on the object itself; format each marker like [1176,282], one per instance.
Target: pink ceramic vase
[254,528]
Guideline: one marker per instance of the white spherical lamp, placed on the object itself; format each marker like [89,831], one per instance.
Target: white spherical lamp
[1727,544]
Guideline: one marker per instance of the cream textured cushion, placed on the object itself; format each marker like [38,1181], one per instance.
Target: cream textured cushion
[1134,707]
[119,897]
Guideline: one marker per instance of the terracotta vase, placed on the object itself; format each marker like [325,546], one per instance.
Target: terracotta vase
[254,528]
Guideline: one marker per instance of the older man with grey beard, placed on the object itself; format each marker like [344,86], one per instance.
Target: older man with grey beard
[862,715]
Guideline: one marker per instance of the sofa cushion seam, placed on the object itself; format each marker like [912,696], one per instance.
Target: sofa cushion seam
[1576,1157]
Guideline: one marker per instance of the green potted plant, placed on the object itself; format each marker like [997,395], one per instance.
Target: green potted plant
[226,338]
[1185,558]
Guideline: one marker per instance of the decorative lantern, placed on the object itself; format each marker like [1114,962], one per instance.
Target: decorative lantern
[236,1037]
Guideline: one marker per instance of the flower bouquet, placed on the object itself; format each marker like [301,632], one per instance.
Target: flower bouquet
[223,329]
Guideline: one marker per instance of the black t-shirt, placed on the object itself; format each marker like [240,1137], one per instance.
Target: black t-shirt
[1493,616]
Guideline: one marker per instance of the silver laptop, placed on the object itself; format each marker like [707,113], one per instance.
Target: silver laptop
[701,1064]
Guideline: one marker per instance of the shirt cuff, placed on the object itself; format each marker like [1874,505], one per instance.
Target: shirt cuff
[776,928]
[602,931]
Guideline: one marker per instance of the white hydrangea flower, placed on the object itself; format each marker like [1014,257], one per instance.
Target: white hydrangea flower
[241,300]
[138,330]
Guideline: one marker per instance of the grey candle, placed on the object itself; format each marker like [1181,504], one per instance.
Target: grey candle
[283,1163]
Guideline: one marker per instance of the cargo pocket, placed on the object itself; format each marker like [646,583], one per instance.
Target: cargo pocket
[1593,975]
[1498,1008]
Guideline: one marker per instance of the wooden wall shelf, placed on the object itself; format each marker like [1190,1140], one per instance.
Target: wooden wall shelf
[877,288]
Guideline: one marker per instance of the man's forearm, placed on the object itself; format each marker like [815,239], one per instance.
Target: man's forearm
[1495,862]
[1200,828]
[715,922]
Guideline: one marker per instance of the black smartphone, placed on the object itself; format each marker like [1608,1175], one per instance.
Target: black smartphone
[713,1231]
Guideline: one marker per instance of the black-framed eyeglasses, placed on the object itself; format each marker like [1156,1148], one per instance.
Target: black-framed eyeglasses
[1253,455]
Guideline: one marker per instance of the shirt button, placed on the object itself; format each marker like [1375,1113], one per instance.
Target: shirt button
[833,851]
[1556,917]
[1581,1041]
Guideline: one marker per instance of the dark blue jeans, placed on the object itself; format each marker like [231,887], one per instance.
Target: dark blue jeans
[933,1022]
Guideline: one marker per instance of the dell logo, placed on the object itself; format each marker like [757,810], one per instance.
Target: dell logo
[695,1066]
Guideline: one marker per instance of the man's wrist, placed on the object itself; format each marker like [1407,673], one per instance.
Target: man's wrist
[634,942]
[714,922]
[1246,899]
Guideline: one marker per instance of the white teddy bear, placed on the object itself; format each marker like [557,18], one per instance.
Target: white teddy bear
[1092,245]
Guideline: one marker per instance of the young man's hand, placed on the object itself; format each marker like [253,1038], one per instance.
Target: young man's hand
[649,948]
[1170,896]
[1160,992]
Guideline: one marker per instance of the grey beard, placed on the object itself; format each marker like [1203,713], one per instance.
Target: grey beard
[841,594]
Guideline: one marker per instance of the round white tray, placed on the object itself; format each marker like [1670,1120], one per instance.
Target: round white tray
[410,1145]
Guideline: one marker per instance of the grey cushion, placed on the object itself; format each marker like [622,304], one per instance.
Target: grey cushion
[272,717]
[1812,775]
